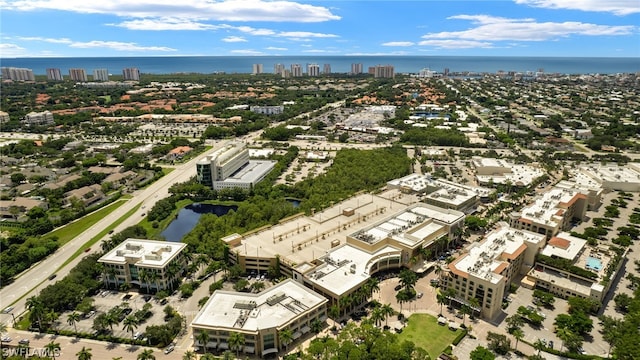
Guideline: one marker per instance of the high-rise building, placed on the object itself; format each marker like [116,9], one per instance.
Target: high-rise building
[326,69]
[296,70]
[278,69]
[100,75]
[78,75]
[18,74]
[384,71]
[313,69]
[356,69]
[54,74]
[446,71]
[131,74]
[257,69]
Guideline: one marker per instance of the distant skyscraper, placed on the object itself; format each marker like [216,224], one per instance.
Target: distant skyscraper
[312,70]
[296,70]
[54,74]
[326,69]
[78,75]
[446,72]
[257,69]
[356,69]
[17,74]
[100,75]
[383,71]
[278,69]
[131,74]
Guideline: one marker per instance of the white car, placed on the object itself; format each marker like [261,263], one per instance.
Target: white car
[169,349]
[6,339]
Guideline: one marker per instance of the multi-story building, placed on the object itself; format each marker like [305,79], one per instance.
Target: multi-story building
[278,69]
[296,70]
[149,264]
[4,117]
[611,176]
[313,70]
[54,74]
[500,171]
[384,71]
[131,74]
[38,118]
[17,74]
[486,269]
[356,69]
[257,69]
[267,110]
[230,167]
[100,75]
[260,318]
[326,69]
[78,75]
[552,212]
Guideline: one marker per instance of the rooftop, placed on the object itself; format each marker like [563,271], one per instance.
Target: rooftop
[629,173]
[549,208]
[251,172]
[564,246]
[273,307]
[144,253]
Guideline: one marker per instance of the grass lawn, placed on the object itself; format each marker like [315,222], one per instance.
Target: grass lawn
[424,331]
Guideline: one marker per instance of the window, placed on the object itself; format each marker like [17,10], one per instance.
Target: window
[268,341]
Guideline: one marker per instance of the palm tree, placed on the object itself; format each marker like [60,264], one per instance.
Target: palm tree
[334,312]
[153,278]
[387,310]
[36,308]
[143,275]
[203,338]
[147,354]
[450,293]
[465,310]
[377,315]
[189,355]
[84,354]
[286,336]
[474,303]
[564,334]
[110,319]
[441,298]
[52,349]
[236,342]
[73,318]
[518,334]
[401,298]
[408,279]
[373,285]
[316,326]
[130,324]
[172,270]
[538,345]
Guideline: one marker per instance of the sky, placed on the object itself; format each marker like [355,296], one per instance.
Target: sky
[91,28]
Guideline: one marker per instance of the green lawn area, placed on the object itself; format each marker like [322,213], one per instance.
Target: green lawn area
[424,331]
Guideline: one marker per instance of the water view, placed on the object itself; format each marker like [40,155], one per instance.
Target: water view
[188,218]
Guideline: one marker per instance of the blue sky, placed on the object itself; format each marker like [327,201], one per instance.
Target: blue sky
[51,28]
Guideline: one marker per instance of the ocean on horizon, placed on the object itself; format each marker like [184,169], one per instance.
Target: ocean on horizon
[339,64]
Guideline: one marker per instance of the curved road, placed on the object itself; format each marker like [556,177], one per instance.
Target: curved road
[30,282]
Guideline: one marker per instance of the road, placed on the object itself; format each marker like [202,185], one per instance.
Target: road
[30,282]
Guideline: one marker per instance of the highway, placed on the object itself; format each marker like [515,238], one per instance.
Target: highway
[30,282]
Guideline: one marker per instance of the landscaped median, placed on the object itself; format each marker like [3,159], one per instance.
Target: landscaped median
[424,331]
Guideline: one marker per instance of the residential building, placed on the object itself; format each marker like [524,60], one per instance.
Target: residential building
[267,110]
[278,69]
[54,74]
[179,152]
[259,318]
[19,206]
[132,74]
[486,269]
[356,69]
[326,69]
[38,118]
[384,71]
[296,70]
[17,74]
[313,70]
[230,167]
[149,264]
[87,195]
[4,117]
[100,75]
[78,75]
[552,212]
[257,69]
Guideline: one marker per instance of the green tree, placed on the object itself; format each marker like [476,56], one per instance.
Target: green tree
[130,324]
[441,298]
[286,337]
[514,322]
[236,342]
[518,334]
[146,354]
[408,279]
[53,348]
[498,343]
[84,354]
[482,353]
[189,355]
[73,319]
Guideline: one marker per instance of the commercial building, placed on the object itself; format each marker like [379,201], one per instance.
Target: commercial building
[500,171]
[150,264]
[551,212]
[132,74]
[486,269]
[614,176]
[267,110]
[100,75]
[260,318]
[54,74]
[230,167]
[38,118]
[17,74]
[78,75]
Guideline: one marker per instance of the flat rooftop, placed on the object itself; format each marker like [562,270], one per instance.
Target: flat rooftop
[629,173]
[488,258]
[270,308]
[548,209]
[144,253]
[253,171]
[564,246]
[577,286]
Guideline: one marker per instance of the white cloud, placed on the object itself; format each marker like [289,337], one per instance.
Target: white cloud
[392,53]
[247,52]
[618,7]
[117,45]
[304,34]
[225,10]
[164,23]
[319,51]
[398,43]
[49,40]
[491,28]
[273,48]
[11,50]
[456,44]
[232,39]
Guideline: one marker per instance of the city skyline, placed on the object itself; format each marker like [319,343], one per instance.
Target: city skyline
[588,28]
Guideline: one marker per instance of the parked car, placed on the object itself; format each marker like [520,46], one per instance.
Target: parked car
[8,310]
[6,339]
[52,276]
[398,287]
[169,349]
[23,342]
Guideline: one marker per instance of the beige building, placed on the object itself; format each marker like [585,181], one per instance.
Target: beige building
[501,171]
[614,176]
[486,270]
[149,264]
[259,318]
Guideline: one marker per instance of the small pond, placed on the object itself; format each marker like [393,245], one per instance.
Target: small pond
[188,218]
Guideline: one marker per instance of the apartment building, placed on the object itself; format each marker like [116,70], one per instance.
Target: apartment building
[486,269]
[257,69]
[326,69]
[17,74]
[149,264]
[383,71]
[38,118]
[54,74]
[356,68]
[100,75]
[78,75]
[296,70]
[313,70]
[131,74]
